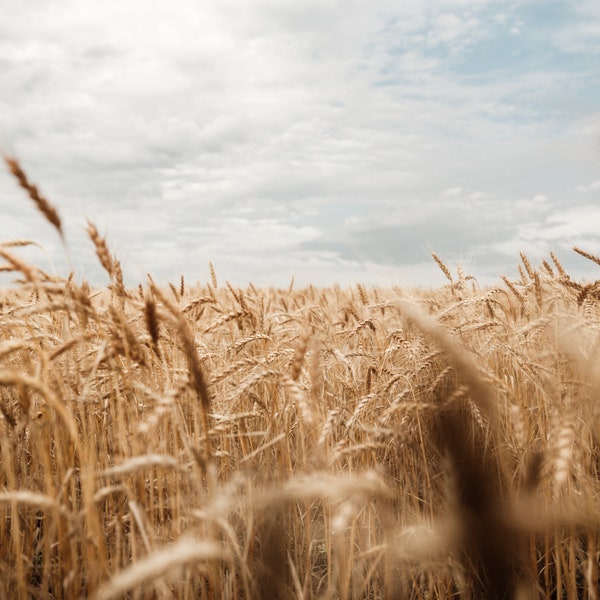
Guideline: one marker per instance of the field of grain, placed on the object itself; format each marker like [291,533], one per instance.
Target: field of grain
[207,441]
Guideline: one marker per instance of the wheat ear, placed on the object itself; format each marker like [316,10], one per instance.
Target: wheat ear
[42,204]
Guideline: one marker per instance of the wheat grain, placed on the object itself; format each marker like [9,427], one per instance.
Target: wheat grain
[587,255]
[527,265]
[152,322]
[213,276]
[558,266]
[104,256]
[442,267]
[49,212]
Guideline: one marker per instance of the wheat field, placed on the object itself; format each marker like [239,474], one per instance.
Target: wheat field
[207,441]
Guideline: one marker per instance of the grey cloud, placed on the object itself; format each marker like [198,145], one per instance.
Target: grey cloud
[447,232]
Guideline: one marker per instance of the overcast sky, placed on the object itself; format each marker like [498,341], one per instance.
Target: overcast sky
[336,141]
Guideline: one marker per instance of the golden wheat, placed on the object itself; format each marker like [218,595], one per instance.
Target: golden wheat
[206,442]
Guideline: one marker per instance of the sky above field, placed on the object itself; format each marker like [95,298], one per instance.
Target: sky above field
[333,141]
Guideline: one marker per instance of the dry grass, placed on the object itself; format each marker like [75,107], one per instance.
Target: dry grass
[217,442]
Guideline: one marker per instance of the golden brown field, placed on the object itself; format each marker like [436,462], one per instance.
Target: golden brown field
[214,442]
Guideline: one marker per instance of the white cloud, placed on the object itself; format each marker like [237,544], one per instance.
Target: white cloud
[568,224]
[452,192]
[253,129]
[592,187]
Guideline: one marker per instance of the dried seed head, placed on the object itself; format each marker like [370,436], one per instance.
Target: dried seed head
[42,204]
[442,266]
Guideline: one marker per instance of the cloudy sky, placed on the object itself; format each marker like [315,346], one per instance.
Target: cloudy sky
[336,141]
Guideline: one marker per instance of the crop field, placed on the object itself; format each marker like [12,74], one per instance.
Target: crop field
[208,441]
